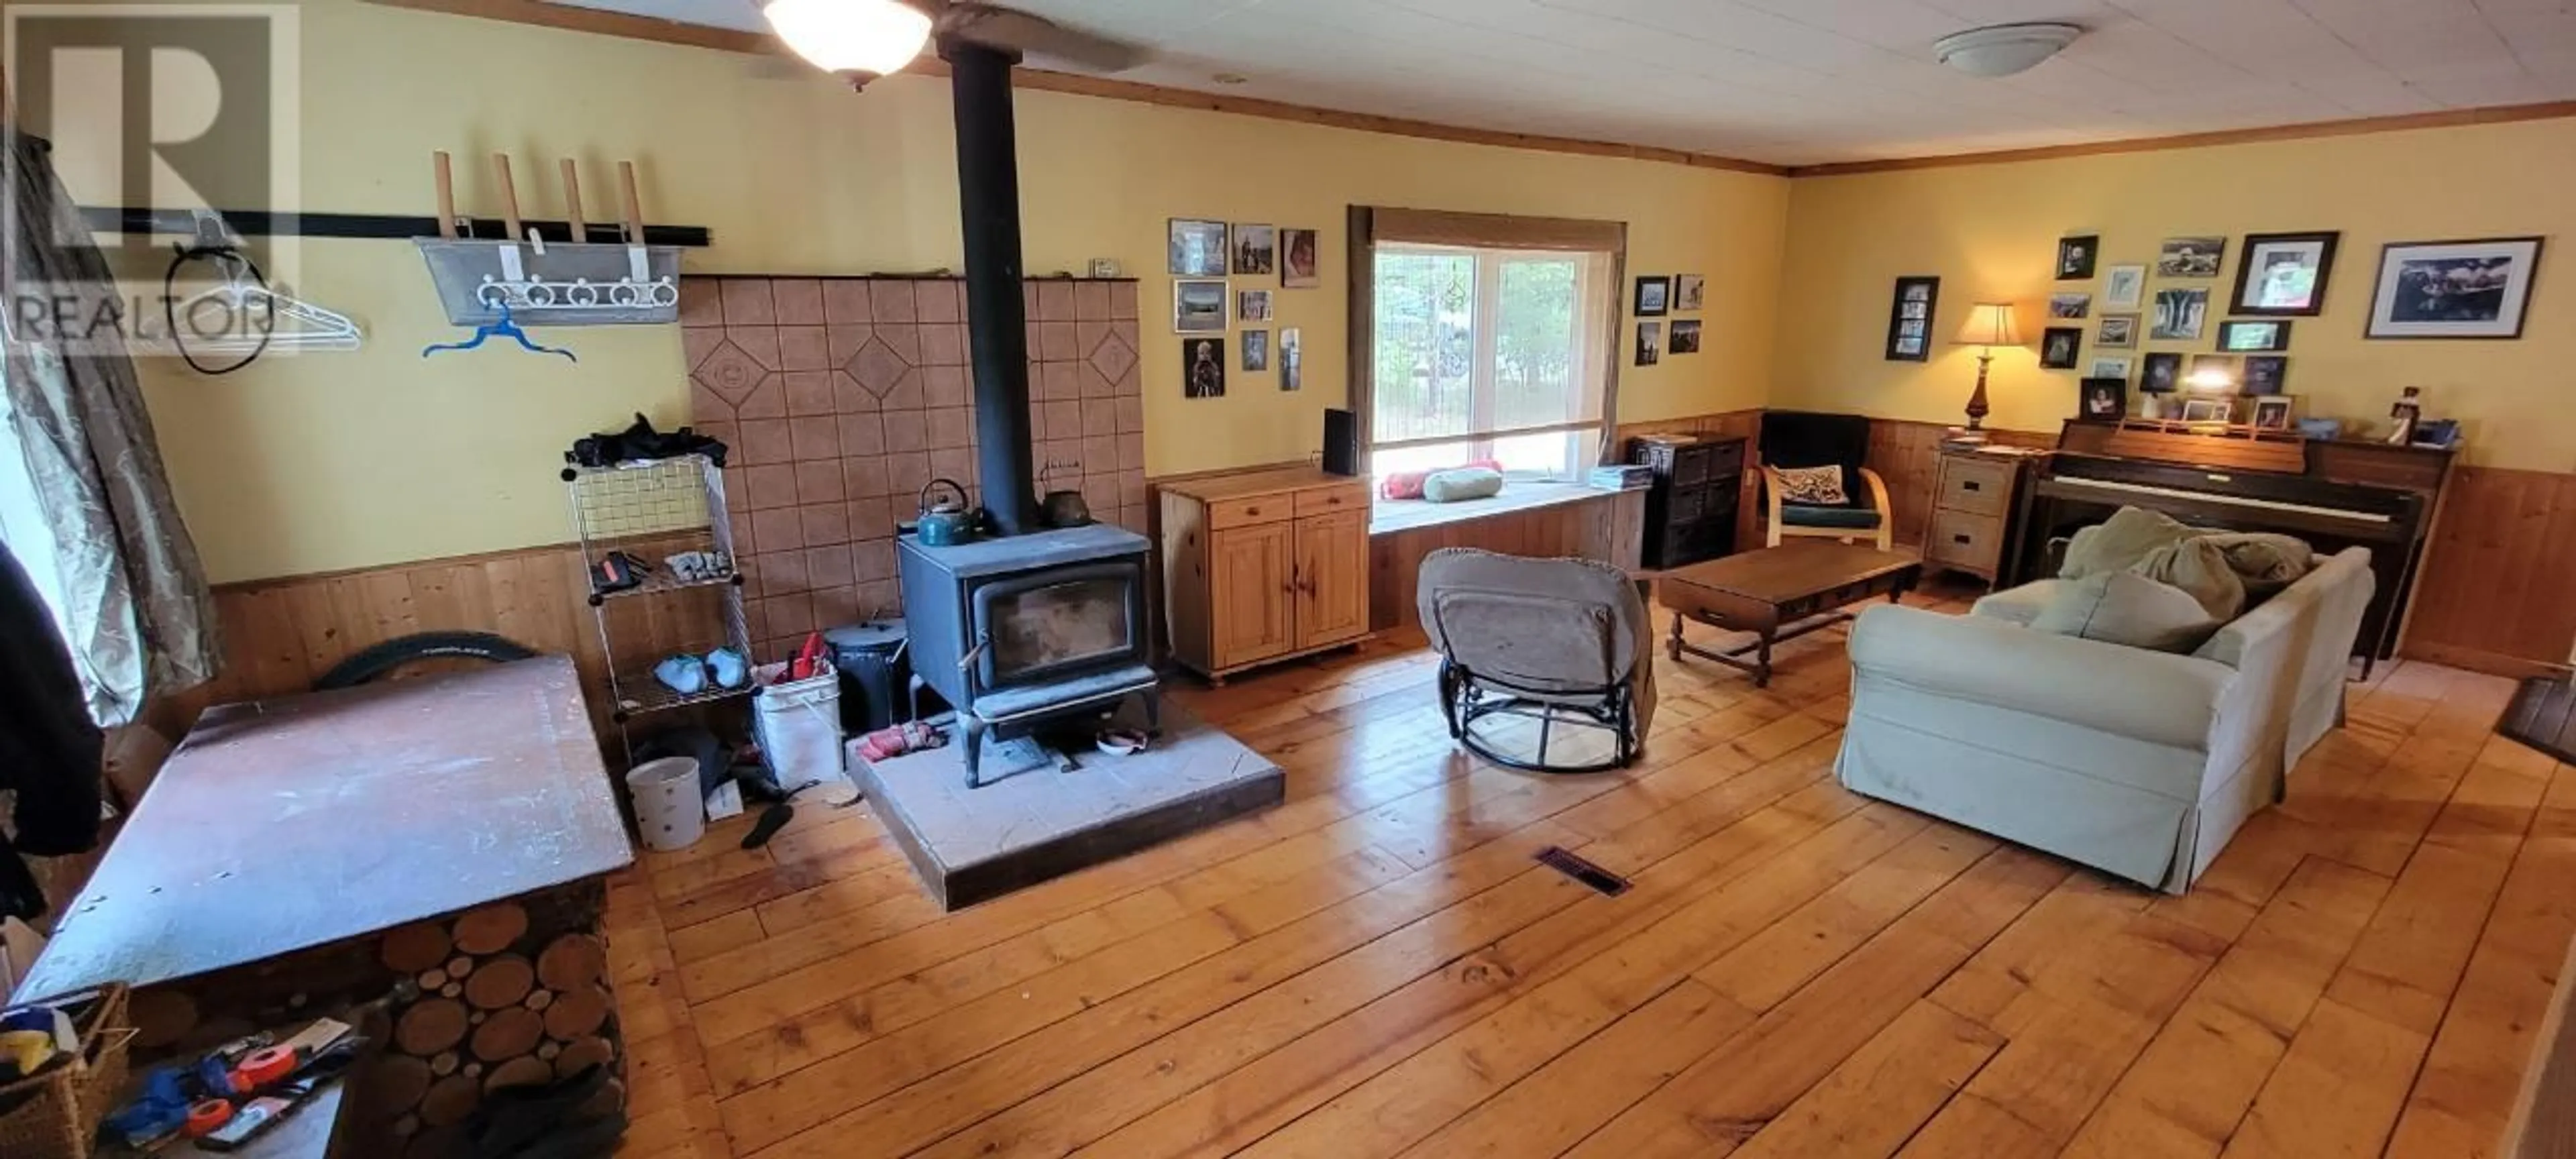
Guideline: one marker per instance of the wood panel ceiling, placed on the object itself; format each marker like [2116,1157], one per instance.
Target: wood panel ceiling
[1804,82]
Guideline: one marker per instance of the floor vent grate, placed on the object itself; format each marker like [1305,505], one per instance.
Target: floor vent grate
[1600,880]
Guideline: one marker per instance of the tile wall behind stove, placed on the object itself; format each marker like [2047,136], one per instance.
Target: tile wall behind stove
[841,397]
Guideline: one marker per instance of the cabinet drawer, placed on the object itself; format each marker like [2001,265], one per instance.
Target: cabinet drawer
[1225,513]
[1326,501]
[1974,487]
[1724,460]
[1966,540]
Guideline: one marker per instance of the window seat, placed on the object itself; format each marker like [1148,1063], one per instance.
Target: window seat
[1393,516]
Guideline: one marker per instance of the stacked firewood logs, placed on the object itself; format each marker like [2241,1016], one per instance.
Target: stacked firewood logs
[497,1008]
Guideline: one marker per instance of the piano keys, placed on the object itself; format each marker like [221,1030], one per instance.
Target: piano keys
[2332,494]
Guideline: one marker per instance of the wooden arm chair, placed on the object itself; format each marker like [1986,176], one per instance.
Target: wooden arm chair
[1793,439]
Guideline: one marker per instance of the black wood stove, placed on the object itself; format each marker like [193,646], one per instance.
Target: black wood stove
[1035,624]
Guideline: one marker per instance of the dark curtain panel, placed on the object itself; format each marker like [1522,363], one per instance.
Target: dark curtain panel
[143,622]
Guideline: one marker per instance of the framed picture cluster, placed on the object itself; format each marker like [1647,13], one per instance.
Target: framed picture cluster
[1659,295]
[1909,319]
[1203,255]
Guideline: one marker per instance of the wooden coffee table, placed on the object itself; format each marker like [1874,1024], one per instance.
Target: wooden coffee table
[1779,593]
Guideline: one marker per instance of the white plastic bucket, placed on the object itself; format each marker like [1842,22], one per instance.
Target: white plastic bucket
[669,810]
[799,723]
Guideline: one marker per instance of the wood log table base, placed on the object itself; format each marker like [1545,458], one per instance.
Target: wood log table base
[1778,594]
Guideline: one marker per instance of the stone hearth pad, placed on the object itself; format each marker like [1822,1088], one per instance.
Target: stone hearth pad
[1031,823]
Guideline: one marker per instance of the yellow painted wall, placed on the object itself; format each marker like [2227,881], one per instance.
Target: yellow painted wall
[329,461]
[1990,232]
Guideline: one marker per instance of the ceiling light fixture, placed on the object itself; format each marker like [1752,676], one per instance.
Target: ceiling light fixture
[2004,49]
[871,37]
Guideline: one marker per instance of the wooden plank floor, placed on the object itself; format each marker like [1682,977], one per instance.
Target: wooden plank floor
[1376,968]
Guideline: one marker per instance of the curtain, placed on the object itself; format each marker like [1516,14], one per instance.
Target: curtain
[132,589]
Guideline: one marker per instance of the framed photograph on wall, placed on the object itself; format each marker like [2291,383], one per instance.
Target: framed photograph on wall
[1909,319]
[2179,315]
[1198,307]
[2211,372]
[2124,288]
[2070,305]
[1252,305]
[1650,343]
[2104,399]
[2117,332]
[2264,373]
[1256,249]
[1256,351]
[2058,346]
[2253,337]
[1292,359]
[1685,336]
[1654,297]
[2075,257]
[2284,273]
[2163,373]
[1203,367]
[2454,289]
[2109,366]
[1300,259]
[2191,257]
[1689,291]
[1198,248]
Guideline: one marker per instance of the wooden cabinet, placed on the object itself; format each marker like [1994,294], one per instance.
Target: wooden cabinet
[1973,514]
[1264,565]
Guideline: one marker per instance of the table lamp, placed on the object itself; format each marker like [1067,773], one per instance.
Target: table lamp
[1989,324]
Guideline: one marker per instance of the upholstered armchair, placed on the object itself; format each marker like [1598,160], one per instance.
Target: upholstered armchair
[1801,439]
[1545,664]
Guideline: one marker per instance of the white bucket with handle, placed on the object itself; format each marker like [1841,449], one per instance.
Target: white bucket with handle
[799,726]
[670,812]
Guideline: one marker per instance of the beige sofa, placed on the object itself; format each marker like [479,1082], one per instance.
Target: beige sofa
[2139,763]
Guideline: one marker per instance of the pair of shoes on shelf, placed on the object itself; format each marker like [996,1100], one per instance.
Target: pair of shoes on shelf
[699,566]
[617,572]
[689,675]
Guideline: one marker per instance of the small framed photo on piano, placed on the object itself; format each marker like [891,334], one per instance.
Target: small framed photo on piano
[2208,410]
[2105,399]
[2277,412]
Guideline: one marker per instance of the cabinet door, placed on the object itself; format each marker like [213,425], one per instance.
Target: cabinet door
[1250,586]
[1332,578]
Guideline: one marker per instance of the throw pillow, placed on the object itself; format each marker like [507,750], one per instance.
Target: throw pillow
[1812,486]
[1462,483]
[2118,607]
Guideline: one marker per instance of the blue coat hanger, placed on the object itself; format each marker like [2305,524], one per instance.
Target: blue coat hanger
[505,328]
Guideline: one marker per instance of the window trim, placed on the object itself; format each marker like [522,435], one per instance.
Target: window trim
[1370,226]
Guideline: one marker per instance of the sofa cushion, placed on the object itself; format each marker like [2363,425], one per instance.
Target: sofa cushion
[2118,607]
[1813,486]
[2018,606]
[1802,515]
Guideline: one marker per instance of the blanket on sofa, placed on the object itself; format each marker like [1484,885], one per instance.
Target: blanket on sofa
[2224,570]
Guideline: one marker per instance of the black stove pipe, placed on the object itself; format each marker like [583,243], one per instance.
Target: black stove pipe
[988,187]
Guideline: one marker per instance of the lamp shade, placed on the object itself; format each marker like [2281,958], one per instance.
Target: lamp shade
[864,36]
[1989,324]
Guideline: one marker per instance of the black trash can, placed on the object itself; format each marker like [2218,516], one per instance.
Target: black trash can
[873,673]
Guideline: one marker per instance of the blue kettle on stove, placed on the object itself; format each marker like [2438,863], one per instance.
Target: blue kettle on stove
[946,522]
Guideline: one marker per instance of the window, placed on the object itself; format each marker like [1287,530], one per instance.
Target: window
[1485,353]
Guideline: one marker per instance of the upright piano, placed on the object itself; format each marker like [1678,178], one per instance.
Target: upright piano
[2332,493]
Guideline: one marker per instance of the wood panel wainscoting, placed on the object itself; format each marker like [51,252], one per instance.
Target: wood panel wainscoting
[2494,594]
